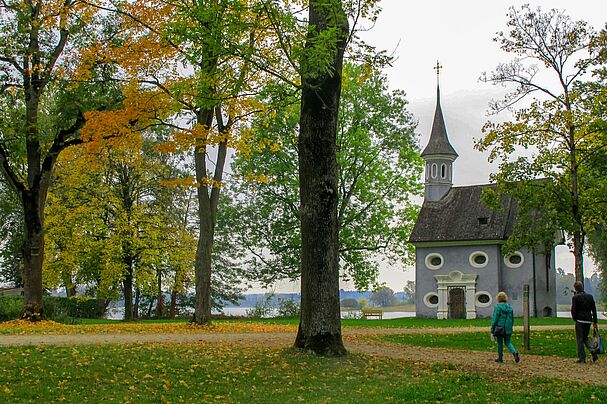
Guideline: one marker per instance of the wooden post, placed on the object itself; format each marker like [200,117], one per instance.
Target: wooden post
[526,316]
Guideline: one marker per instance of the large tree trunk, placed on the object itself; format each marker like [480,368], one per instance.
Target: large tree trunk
[173,305]
[160,296]
[33,254]
[320,322]
[127,285]
[202,313]
[33,204]
[202,266]
[208,200]
[136,304]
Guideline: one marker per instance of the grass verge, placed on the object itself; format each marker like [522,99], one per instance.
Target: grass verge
[545,342]
[228,374]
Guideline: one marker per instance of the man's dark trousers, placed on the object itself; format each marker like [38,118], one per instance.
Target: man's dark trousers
[581,337]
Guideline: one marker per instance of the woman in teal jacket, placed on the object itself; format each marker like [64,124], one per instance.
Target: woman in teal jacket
[503,316]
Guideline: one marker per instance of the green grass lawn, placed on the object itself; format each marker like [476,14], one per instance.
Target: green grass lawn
[405,322]
[545,342]
[222,373]
[412,322]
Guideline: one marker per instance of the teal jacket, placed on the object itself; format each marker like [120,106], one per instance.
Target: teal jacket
[503,316]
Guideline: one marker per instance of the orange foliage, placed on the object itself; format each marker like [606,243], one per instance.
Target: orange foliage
[140,109]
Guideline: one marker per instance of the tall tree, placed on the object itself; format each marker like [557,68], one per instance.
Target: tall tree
[597,100]
[44,109]
[379,168]
[555,125]
[321,76]
[219,42]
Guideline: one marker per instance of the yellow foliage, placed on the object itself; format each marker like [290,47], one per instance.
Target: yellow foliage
[24,327]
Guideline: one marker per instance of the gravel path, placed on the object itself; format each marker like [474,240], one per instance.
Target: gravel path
[483,362]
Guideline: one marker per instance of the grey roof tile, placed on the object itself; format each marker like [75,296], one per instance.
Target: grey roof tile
[456,218]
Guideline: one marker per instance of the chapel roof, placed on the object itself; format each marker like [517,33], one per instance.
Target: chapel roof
[438,142]
[461,216]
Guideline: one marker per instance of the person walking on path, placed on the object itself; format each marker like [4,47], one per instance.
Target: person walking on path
[583,312]
[503,316]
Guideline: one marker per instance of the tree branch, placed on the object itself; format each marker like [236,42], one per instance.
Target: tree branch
[13,62]
[8,172]
[64,33]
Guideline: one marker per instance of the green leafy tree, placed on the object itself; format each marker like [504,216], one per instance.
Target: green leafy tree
[11,236]
[227,49]
[350,303]
[383,296]
[409,291]
[378,173]
[555,128]
[44,100]
[597,99]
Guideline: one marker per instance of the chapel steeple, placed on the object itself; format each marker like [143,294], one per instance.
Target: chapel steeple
[439,154]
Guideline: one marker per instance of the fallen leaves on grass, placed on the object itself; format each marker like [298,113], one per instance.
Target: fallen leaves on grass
[23,327]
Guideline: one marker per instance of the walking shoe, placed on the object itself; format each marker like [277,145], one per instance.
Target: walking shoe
[517,358]
[499,360]
[595,356]
[580,361]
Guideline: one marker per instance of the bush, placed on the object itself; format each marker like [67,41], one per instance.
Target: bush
[11,307]
[62,308]
[261,310]
[288,308]
[362,302]
[350,303]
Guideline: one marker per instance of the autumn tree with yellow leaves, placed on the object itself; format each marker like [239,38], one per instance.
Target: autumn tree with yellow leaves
[115,220]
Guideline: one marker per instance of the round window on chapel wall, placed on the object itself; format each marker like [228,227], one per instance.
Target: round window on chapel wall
[434,261]
[483,299]
[514,260]
[478,259]
[431,300]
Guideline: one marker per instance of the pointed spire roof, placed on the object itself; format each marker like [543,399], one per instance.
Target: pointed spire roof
[439,142]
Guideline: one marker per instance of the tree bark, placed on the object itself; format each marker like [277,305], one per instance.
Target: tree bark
[578,235]
[173,305]
[33,254]
[136,304]
[320,322]
[127,285]
[160,297]
[202,266]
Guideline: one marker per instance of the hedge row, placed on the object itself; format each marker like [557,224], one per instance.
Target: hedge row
[53,308]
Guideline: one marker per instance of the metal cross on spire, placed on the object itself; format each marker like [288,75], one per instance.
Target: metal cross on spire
[437,68]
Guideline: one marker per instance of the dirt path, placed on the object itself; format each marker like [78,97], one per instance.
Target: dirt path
[483,362]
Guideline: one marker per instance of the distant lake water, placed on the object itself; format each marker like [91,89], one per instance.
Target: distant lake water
[242,311]
[117,313]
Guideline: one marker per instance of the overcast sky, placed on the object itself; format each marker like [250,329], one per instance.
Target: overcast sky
[459,34]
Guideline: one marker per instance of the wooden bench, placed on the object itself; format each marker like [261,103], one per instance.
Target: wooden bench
[366,313]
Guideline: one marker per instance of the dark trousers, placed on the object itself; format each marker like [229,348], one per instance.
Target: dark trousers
[581,338]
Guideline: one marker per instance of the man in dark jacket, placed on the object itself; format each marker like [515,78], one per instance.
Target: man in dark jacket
[583,312]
